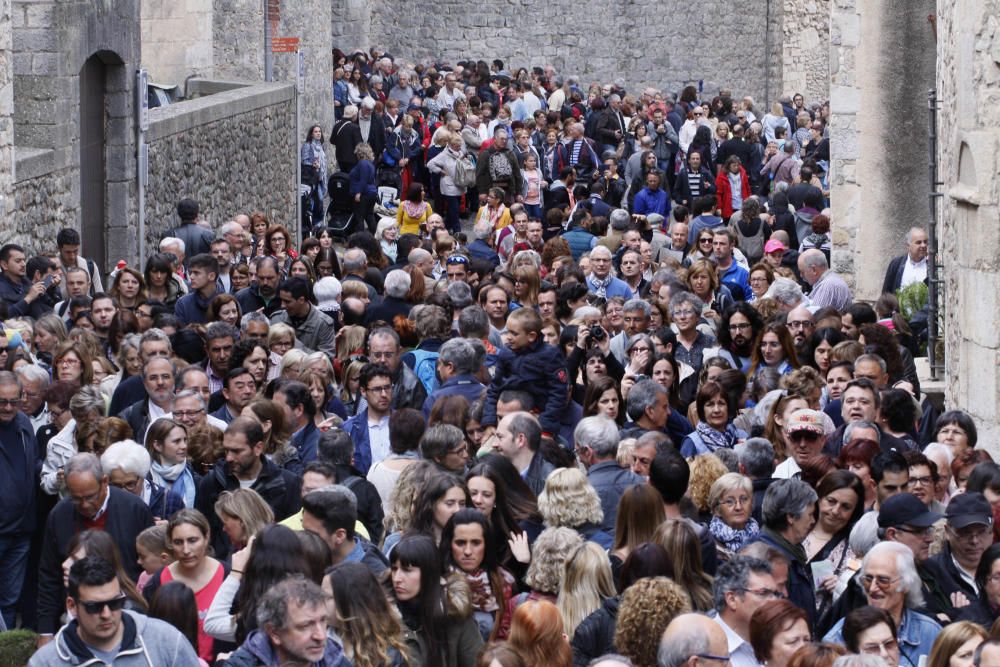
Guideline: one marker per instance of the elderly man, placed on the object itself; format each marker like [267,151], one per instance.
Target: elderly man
[91,503]
[596,440]
[692,640]
[578,153]
[740,587]
[158,379]
[498,168]
[649,410]
[233,233]
[909,268]
[828,288]
[891,583]
[407,389]
[397,285]
[636,314]
[805,432]
[787,293]
[969,533]
[600,281]
[457,364]
[355,267]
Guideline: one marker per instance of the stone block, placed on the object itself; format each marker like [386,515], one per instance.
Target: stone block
[35,40]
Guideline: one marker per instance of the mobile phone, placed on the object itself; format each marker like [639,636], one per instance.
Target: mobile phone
[48,281]
[640,377]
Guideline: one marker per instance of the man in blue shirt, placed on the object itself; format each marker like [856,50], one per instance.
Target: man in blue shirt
[600,281]
[731,274]
[651,199]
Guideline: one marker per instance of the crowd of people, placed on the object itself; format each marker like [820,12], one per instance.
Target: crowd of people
[635,419]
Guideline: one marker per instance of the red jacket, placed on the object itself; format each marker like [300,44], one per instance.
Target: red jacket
[724,191]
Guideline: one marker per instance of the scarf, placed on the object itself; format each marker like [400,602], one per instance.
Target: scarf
[733,539]
[796,550]
[600,287]
[415,210]
[714,439]
[177,478]
[495,214]
[483,598]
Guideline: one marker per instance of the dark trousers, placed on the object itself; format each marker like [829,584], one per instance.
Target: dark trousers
[452,220]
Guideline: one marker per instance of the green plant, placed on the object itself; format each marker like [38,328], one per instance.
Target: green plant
[912,299]
[16,647]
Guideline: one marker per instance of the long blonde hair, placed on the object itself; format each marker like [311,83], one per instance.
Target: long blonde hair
[587,583]
[684,549]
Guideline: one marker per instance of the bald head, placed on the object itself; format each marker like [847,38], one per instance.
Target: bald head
[687,636]
[800,324]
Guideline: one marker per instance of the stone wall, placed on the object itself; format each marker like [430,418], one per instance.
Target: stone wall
[234,151]
[7,172]
[805,56]
[645,42]
[45,200]
[879,101]
[968,50]
[238,39]
[177,40]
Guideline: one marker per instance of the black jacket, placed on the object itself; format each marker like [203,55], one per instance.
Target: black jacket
[370,510]
[345,136]
[127,516]
[250,300]
[894,275]
[595,636]
[278,487]
[137,416]
[197,239]
[388,309]
[943,570]
[18,477]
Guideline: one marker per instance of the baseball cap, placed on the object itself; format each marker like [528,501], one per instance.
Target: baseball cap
[905,509]
[969,508]
[809,420]
[774,245]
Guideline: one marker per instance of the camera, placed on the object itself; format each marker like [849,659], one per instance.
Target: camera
[597,333]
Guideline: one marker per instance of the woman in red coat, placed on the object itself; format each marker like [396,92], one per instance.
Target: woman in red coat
[732,187]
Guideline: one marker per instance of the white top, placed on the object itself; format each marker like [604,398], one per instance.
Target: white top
[913,272]
[378,438]
[787,469]
[740,651]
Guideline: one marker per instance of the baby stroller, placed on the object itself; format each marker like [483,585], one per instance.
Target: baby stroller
[340,212]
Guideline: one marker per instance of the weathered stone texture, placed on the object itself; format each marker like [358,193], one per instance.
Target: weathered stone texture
[41,207]
[234,152]
[6,112]
[805,53]
[238,39]
[664,44]
[968,51]
[176,39]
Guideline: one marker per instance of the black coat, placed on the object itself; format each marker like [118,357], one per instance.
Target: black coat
[127,516]
[595,636]
[370,510]
[197,239]
[18,477]
[345,136]
[894,275]
[279,488]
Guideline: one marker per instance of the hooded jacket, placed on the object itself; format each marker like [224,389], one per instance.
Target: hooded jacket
[257,651]
[146,642]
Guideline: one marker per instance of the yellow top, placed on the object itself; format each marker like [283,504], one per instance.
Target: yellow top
[409,222]
[295,523]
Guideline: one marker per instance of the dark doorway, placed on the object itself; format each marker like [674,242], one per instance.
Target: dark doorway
[93,162]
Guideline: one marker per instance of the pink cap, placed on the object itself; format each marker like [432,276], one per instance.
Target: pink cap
[774,245]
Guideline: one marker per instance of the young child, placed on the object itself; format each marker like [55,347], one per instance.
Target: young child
[154,554]
[534,184]
[529,364]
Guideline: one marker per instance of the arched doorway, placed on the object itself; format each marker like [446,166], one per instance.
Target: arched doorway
[97,71]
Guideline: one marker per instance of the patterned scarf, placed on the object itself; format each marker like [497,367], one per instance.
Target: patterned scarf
[600,287]
[733,539]
[714,439]
[177,478]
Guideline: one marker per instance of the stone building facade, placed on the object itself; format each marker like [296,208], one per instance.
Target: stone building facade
[968,82]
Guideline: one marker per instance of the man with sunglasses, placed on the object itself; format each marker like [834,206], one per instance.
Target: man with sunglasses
[103,632]
[91,504]
[806,433]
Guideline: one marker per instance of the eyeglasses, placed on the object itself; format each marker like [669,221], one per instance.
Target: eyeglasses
[921,481]
[740,327]
[881,580]
[97,606]
[804,435]
[68,362]
[800,324]
[733,502]
[86,500]
[975,532]
[10,402]
[875,649]
[130,485]
[382,355]
[383,389]
[707,239]
[923,532]
[764,593]
[709,656]
[187,413]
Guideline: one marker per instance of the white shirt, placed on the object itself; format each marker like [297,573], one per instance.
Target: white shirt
[740,652]
[914,272]
[378,438]
[787,469]
[966,577]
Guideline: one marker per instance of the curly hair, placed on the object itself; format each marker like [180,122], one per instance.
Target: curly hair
[705,469]
[411,480]
[805,382]
[569,500]
[548,554]
[647,607]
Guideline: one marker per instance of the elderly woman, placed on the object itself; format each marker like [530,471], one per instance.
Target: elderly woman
[87,408]
[445,163]
[686,309]
[127,464]
[956,429]
[569,500]
[129,364]
[761,278]
[892,584]
[386,234]
[362,186]
[715,429]
[732,525]
[788,514]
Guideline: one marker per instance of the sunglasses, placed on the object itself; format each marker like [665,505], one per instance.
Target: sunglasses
[97,606]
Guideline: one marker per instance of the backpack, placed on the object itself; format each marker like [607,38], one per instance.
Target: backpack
[425,367]
[465,172]
[750,242]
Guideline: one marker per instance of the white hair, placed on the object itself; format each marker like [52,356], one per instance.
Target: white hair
[397,283]
[170,241]
[786,291]
[599,433]
[909,580]
[128,456]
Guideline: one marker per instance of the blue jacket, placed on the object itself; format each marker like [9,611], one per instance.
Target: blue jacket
[611,481]
[479,249]
[540,370]
[362,179]
[357,428]
[618,287]
[18,476]
[580,241]
[192,307]
[458,385]
[306,441]
[916,636]
[14,295]
[694,444]
[647,202]
[737,279]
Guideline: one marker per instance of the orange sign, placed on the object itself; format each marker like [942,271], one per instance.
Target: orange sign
[284,44]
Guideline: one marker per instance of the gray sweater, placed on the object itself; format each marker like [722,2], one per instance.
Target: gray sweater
[147,642]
